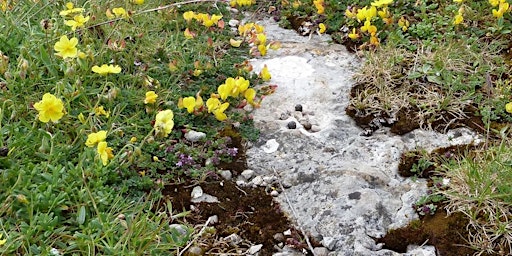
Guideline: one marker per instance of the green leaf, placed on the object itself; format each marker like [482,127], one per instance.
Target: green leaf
[81,215]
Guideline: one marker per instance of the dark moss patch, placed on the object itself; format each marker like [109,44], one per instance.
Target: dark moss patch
[447,233]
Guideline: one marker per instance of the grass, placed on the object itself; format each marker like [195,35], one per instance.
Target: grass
[66,189]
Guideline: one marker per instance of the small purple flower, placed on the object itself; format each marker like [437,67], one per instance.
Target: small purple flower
[232,151]
[179,164]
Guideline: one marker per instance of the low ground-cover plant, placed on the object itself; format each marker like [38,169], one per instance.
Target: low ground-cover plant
[93,126]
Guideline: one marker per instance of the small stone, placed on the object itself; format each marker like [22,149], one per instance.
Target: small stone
[205,198]
[274,193]
[320,251]
[306,124]
[181,229]
[287,233]
[194,136]
[194,250]
[226,175]
[271,146]
[241,183]
[197,192]
[298,107]
[247,174]
[214,219]
[233,239]
[269,179]
[292,125]
[254,249]
[233,23]
[279,237]
[284,116]
[257,180]
[329,242]
[315,128]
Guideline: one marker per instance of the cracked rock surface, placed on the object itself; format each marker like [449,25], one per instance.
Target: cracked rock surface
[344,187]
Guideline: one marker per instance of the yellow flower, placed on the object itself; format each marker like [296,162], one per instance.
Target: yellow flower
[354,35]
[139,2]
[188,16]
[494,2]
[350,14]
[226,88]
[374,40]
[262,49]
[321,28]
[503,8]
[264,74]
[508,107]
[219,112]
[319,4]
[2,242]
[95,138]
[368,27]
[212,103]
[403,23]
[235,43]
[164,122]
[261,38]
[151,97]
[458,1]
[458,19]
[101,111]
[77,22]
[120,12]
[66,48]
[106,69]
[70,9]
[189,103]
[366,14]
[104,152]
[249,95]
[50,108]
[380,3]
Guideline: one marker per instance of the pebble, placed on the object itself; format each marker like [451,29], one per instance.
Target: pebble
[258,180]
[298,107]
[274,193]
[315,128]
[194,136]
[241,183]
[270,146]
[195,250]
[233,22]
[233,239]
[279,237]
[284,116]
[269,179]
[197,192]
[320,251]
[287,233]
[226,175]
[214,219]
[254,249]
[329,242]
[292,125]
[306,124]
[182,230]
[247,174]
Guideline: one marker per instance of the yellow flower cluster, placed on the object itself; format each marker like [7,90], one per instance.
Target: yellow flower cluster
[234,3]
[118,12]
[366,16]
[232,87]
[103,150]
[254,34]
[164,122]
[503,7]
[78,20]
[206,19]
[459,18]
[319,4]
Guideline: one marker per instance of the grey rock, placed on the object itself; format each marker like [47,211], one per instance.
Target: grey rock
[226,174]
[414,250]
[298,107]
[291,125]
[320,251]
[233,23]
[213,219]
[194,136]
[344,187]
[270,146]
[306,124]
[247,174]
[258,180]
[241,183]
[274,193]
[279,237]
[233,239]
[254,249]
[287,233]
[269,179]
[197,192]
